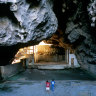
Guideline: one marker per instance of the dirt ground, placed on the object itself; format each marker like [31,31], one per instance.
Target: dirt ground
[72,82]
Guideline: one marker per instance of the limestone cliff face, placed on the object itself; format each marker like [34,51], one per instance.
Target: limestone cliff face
[77,19]
[80,30]
[26,21]
[30,21]
[92,12]
[23,23]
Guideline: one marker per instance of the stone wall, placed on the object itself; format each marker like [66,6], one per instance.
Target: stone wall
[0,74]
[90,68]
[10,70]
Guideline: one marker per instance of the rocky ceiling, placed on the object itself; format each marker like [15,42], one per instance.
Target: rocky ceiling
[66,23]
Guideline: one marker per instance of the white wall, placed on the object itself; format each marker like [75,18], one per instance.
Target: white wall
[76,64]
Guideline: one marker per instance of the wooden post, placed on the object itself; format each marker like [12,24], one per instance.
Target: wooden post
[33,56]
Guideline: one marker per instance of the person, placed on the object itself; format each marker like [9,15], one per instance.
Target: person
[47,86]
[52,85]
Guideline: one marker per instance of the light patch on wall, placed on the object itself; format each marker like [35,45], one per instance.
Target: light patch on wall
[16,61]
[43,43]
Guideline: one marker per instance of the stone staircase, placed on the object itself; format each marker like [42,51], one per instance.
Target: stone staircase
[51,66]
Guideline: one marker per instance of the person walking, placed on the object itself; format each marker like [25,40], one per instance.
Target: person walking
[52,85]
[47,86]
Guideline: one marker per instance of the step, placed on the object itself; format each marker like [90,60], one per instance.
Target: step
[62,66]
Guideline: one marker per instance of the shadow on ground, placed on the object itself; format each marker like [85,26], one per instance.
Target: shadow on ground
[67,74]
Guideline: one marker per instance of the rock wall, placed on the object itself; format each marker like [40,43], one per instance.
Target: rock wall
[76,29]
[92,12]
[81,34]
[28,21]
[24,23]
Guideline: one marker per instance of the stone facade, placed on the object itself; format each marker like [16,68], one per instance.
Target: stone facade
[10,70]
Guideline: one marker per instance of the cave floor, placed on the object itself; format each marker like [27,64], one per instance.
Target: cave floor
[66,74]
[51,63]
[71,82]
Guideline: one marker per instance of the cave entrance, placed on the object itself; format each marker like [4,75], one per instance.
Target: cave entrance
[48,53]
[47,56]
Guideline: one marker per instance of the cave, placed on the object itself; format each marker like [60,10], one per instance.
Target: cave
[47,55]
[65,24]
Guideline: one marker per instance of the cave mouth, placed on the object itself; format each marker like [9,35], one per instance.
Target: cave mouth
[47,56]
[44,53]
